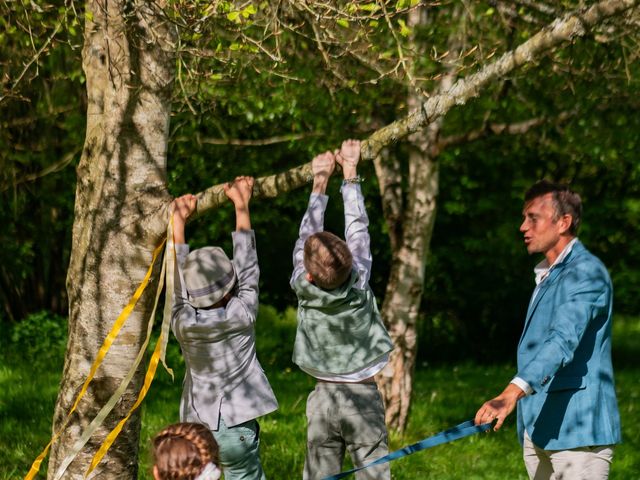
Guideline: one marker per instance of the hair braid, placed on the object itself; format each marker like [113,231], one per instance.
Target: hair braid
[182,450]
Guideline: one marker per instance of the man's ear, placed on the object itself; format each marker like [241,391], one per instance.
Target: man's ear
[565,223]
[309,277]
[156,473]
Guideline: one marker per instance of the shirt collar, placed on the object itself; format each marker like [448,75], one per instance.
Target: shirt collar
[542,269]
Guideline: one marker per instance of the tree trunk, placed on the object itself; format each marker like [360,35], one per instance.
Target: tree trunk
[410,244]
[128,59]
[401,305]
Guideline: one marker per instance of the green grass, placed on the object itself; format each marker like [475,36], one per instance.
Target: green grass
[443,397]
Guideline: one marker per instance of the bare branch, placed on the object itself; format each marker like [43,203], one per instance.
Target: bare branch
[517,128]
[239,142]
[56,167]
[31,62]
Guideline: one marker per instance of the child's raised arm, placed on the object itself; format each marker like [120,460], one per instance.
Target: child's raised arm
[239,192]
[356,222]
[182,207]
[245,256]
[322,166]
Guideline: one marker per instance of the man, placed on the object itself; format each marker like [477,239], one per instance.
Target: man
[568,417]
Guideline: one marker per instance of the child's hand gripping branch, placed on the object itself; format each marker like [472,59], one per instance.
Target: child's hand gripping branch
[239,192]
[348,157]
[322,166]
[182,208]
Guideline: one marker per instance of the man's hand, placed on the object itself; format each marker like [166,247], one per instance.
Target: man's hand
[182,208]
[348,157]
[322,166]
[239,191]
[500,407]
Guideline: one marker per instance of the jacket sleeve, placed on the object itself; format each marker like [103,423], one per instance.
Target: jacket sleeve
[245,261]
[580,298]
[312,222]
[356,231]
[180,301]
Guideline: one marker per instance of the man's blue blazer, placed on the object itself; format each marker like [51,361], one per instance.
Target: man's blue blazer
[565,355]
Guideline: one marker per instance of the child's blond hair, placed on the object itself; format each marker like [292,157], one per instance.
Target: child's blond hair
[327,259]
[182,450]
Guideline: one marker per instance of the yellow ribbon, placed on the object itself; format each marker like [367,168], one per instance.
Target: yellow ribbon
[106,345]
[151,371]
[158,353]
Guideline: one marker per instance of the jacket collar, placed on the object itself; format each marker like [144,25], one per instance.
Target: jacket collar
[554,272]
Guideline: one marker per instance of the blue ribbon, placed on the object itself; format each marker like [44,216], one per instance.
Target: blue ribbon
[459,431]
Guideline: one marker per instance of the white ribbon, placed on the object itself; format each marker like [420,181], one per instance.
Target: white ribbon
[210,472]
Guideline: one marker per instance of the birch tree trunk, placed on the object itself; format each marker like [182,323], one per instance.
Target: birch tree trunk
[410,229]
[129,65]
[401,305]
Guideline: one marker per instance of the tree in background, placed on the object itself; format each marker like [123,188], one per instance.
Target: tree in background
[129,55]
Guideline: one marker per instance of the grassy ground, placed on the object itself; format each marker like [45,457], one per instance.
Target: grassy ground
[443,397]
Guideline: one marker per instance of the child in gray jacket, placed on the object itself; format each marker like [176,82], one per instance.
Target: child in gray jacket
[340,340]
[213,319]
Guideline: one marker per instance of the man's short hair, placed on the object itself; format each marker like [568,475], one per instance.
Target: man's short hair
[565,201]
[328,259]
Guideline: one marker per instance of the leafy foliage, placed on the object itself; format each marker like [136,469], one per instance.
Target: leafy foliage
[39,338]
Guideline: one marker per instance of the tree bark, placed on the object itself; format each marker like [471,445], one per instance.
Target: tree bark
[128,59]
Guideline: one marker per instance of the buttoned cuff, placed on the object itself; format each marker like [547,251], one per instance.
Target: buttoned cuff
[350,191]
[182,248]
[244,237]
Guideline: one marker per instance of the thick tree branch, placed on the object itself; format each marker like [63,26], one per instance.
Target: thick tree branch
[565,29]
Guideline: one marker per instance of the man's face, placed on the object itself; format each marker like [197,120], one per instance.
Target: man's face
[541,233]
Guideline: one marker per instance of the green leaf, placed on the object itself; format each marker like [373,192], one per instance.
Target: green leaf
[234,16]
[343,23]
[404,30]
[370,7]
[250,10]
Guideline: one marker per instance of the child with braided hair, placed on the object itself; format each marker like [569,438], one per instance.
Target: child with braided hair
[185,451]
